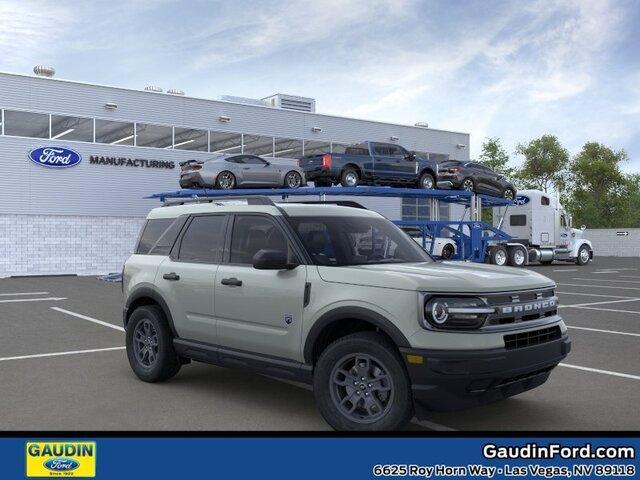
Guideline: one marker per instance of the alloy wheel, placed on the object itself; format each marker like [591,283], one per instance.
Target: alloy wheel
[361,388]
[293,180]
[351,179]
[508,194]
[467,185]
[500,258]
[427,182]
[584,255]
[145,343]
[226,181]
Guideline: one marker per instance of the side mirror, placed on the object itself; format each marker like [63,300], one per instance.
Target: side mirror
[267,259]
[410,157]
[583,227]
[267,163]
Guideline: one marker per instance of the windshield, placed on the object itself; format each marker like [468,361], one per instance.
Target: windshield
[345,241]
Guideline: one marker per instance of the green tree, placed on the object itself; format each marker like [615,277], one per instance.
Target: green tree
[599,192]
[545,164]
[495,157]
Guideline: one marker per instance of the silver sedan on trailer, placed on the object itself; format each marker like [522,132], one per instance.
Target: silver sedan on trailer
[233,171]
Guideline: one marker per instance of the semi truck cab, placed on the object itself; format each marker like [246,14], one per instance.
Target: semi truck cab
[538,221]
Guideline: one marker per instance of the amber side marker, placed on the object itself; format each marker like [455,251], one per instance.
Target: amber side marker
[415,359]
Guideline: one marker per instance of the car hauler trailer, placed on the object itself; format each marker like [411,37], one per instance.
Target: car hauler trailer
[473,239]
[537,221]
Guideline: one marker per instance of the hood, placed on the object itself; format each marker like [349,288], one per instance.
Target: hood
[440,277]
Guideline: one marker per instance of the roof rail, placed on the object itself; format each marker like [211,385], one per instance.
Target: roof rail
[341,203]
[251,200]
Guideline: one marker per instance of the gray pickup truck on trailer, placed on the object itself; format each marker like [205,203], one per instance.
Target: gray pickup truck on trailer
[340,298]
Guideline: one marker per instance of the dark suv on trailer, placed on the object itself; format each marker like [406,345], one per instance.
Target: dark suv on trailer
[474,177]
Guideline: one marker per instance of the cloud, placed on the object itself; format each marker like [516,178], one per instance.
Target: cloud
[30,31]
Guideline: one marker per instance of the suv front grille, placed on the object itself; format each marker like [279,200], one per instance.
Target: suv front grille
[522,306]
[534,337]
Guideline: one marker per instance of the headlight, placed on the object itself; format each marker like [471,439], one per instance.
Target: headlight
[455,313]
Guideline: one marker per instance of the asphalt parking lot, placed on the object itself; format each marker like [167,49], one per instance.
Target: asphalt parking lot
[63,367]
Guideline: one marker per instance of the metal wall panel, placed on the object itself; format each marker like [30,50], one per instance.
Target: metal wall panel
[119,191]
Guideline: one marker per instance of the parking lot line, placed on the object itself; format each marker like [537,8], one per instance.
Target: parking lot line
[59,354]
[566,270]
[597,370]
[23,293]
[89,319]
[609,310]
[605,331]
[607,280]
[17,300]
[629,276]
[598,286]
[599,303]
[592,294]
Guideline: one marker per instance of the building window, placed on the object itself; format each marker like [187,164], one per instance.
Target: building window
[71,128]
[258,145]
[338,147]
[114,133]
[288,148]
[190,139]
[26,124]
[224,142]
[157,136]
[316,148]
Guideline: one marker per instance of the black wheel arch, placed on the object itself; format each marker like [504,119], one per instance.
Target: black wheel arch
[428,170]
[147,296]
[355,167]
[328,322]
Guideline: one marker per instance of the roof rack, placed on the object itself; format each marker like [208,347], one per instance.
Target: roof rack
[251,200]
[341,203]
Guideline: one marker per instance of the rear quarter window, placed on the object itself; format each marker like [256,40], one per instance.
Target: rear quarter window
[151,232]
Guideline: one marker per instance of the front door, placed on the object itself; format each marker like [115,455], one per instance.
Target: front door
[257,171]
[187,278]
[259,310]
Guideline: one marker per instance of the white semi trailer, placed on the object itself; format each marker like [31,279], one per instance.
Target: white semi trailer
[541,231]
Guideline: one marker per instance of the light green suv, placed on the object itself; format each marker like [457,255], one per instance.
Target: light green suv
[337,297]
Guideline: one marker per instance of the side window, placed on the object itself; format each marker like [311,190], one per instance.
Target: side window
[235,159]
[168,238]
[203,241]
[563,221]
[381,149]
[151,232]
[253,160]
[396,151]
[518,220]
[544,200]
[252,233]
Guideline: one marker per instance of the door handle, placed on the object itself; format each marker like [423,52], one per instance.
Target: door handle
[232,282]
[171,276]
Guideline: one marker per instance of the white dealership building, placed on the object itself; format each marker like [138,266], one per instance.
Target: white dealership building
[127,144]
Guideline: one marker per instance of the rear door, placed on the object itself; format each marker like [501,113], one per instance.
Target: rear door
[383,161]
[259,310]
[186,278]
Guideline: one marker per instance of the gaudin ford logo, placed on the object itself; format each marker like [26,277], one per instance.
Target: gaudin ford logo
[55,459]
[529,307]
[55,157]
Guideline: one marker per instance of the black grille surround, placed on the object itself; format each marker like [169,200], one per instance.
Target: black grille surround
[533,337]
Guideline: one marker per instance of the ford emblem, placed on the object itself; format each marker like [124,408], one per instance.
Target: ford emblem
[61,464]
[55,157]
[521,200]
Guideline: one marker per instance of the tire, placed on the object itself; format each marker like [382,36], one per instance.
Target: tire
[349,177]
[322,183]
[393,397]
[426,182]
[509,194]
[468,185]
[448,251]
[517,257]
[226,180]
[498,256]
[292,180]
[584,255]
[165,362]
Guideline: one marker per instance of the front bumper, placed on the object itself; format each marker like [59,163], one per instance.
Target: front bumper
[455,380]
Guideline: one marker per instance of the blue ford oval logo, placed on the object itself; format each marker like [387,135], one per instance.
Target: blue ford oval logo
[521,200]
[55,157]
[61,464]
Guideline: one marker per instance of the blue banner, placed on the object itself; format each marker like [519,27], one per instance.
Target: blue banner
[320,458]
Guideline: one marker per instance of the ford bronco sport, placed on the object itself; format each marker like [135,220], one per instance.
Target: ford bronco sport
[337,297]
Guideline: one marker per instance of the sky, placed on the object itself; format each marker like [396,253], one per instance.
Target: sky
[514,70]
